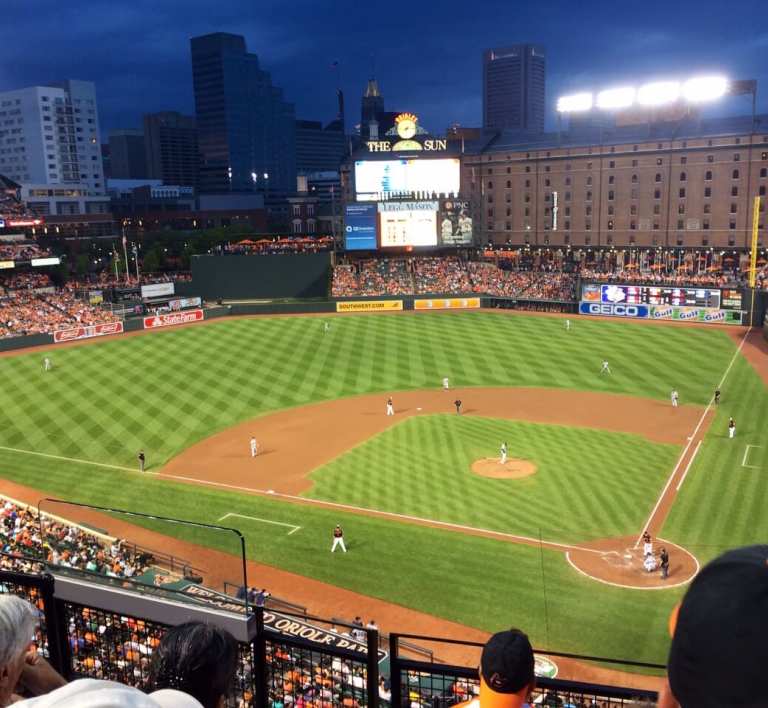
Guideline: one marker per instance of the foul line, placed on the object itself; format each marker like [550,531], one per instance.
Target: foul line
[263,521]
[688,466]
[746,453]
[690,440]
[378,512]
[68,459]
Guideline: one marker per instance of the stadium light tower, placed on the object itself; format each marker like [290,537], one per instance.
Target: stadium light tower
[574,103]
[705,88]
[616,98]
[658,93]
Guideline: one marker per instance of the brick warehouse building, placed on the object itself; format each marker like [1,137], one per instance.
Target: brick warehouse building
[689,183]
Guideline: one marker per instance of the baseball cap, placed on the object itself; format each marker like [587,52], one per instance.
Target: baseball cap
[92,693]
[506,664]
[719,652]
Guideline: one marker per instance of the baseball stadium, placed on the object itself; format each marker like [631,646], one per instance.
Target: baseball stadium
[364,455]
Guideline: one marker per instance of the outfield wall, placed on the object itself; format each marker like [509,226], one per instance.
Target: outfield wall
[242,277]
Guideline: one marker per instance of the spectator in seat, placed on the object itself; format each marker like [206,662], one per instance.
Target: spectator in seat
[719,652]
[506,672]
[199,659]
[22,669]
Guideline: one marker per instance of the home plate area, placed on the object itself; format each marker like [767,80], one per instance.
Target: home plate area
[620,562]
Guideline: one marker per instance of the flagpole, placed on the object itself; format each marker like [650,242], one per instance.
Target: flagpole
[125,254]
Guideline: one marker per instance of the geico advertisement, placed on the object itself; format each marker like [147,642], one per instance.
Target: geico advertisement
[613,310]
[369,305]
[453,303]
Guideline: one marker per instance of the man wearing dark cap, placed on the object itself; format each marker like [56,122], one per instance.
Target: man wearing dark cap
[506,672]
[719,651]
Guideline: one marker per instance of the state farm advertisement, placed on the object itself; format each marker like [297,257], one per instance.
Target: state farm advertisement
[85,332]
[173,318]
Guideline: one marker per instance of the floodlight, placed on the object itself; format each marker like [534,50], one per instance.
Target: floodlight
[658,93]
[616,98]
[705,88]
[574,102]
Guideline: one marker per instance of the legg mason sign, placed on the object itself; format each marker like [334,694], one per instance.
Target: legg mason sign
[407,135]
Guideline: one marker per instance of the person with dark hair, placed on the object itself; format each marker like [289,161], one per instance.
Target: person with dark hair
[197,658]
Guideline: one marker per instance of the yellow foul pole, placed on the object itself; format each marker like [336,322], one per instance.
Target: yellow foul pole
[753,259]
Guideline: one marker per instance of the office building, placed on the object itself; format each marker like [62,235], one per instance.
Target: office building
[318,148]
[127,158]
[689,183]
[172,156]
[513,88]
[246,130]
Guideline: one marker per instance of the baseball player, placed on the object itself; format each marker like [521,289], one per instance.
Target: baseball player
[47,365]
[457,403]
[142,460]
[731,427]
[567,325]
[390,406]
[338,539]
[445,384]
[674,396]
[605,368]
[503,452]
[717,397]
[326,327]
[254,447]
[647,545]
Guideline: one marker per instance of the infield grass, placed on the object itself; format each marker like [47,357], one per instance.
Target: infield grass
[164,391]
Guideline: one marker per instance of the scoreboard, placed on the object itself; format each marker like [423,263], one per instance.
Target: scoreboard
[616,294]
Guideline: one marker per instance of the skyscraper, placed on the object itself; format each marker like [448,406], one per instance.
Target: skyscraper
[246,130]
[126,154]
[170,139]
[513,88]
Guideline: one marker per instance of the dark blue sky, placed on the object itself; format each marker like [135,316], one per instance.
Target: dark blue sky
[427,55]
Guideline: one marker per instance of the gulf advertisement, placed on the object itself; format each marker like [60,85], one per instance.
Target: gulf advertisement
[451,303]
[369,306]
[86,332]
[174,318]
[695,314]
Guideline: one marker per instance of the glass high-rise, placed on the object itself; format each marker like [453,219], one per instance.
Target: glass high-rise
[246,130]
[513,88]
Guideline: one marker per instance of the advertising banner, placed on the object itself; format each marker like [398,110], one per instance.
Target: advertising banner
[37,262]
[96,297]
[6,264]
[157,290]
[408,224]
[175,318]
[455,222]
[183,303]
[360,227]
[611,310]
[696,314]
[369,306]
[85,332]
[452,303]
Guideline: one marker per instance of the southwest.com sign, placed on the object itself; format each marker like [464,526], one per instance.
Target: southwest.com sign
[613,310]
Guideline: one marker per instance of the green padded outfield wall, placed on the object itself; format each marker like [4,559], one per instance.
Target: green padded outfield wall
[240,277]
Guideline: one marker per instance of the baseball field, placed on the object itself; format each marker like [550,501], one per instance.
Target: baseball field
[547,542]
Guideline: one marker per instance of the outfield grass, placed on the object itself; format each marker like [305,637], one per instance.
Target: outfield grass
[589,484]
[167,390]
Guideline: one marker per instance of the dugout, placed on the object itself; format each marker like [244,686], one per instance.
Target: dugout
[244,277]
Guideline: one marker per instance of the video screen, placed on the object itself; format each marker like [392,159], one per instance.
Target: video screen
[374,179]
[651,295]
[455,223]
[404,224]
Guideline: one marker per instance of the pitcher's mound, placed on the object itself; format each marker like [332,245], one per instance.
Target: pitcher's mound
[511,469]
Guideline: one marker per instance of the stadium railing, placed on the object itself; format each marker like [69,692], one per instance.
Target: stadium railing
[104,631]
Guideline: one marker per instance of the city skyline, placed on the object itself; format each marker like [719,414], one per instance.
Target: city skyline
[139,60]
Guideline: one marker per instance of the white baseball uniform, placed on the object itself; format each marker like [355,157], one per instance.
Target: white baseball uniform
[567,325]
[338,541]
[445,383]
[390,407]
[503,453]
[254,447]
[605,368]
[46,364]
[674,397]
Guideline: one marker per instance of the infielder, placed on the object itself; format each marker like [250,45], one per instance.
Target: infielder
[731,428]
[390,407]
[445,384]
[605,368]
[47,366]
[254,447]
[338,539]
[674,396]
[503,452]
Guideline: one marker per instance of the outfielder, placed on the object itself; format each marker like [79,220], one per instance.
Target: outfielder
[254,447]
[390,407]
[605,368]
[674,396]
[47,365]
[326,327]
[731,428]
[338,539]
[503,452]
[567,325]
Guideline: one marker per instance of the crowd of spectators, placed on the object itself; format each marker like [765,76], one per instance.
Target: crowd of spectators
[22,251]
[447,275]
[62,544]
[385,276]
[276,246]
[716,279]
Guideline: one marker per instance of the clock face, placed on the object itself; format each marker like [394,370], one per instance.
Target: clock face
[406,129]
